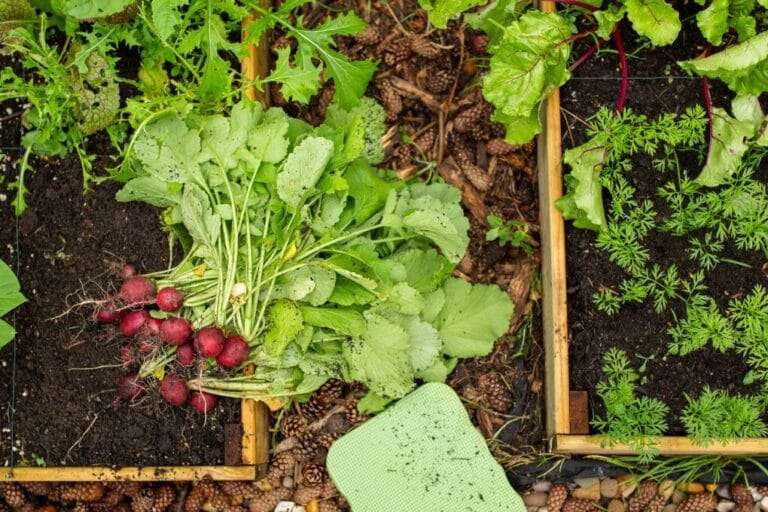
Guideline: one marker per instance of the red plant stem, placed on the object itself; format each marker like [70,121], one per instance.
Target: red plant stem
[585,56]
[577,3]
[707,98]
[624,87]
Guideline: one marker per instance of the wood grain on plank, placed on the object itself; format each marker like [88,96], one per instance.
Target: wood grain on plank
[143,474]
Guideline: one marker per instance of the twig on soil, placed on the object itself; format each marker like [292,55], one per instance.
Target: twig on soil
[11,116]
[291,442]
[102,367]
[471,198]
[82,436]
[397,20]
[406,87]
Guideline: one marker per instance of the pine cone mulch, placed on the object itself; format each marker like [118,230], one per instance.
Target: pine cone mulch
[557,496]
[645,493]
[704,502]
[579,505]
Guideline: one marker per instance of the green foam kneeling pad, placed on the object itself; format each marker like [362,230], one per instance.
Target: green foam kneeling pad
[421,455]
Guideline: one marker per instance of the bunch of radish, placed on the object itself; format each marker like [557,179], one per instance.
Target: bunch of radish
[131,309]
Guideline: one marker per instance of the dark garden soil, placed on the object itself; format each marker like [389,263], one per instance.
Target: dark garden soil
[657,85]
[70,247]
[428,81]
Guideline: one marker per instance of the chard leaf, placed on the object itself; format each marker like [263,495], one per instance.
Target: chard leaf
[380,358]
[743,67]
[150,190]
[729,143]
[525,67]
[492,19]
[285,324]
[713,21]
[298,83]
[303,169]
[440,12]
[473,318]
[344,320]
[654,19]
[747,108]
[607,20]
[583,202]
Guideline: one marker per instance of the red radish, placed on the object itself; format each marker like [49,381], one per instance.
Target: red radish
[235,352]
[174,390]
[153,326]
[132,322]
[127,272]
[126,355]
[175,331]
[209,341]
[107,315]
[185,354]
[203,402]
[137,290]
[169,299]
[146,346]
[130,386]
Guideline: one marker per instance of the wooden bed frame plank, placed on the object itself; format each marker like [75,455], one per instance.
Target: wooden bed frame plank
[147,474]
[554,307]
[668,445]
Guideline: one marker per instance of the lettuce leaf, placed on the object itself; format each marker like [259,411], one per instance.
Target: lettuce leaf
[728,146]
[743,67]
[528,64]
[583,201]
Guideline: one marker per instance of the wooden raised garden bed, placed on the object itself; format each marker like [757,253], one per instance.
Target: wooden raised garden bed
[254,417]
[567,411]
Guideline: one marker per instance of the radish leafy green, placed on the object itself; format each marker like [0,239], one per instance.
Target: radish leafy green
[325,265]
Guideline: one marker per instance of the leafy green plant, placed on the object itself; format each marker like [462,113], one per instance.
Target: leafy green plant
[717,416]
[72,97]
[301,78]
[325,266]
[631,419]
[10,298]
[513,232]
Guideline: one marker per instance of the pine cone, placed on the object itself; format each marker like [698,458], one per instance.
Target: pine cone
[329,506]
[326,439]
[281,466]
[129,489]
[469,119]
[86,492]
[305,494]
[369,36]
[579,505]
[396,53]
[329,490]
[219,502]
[353,414]
[423,47]
[703,502]
[557,496]
[144,500]
[439,81]
[164,498]
[50,491]
[79,507]
[12,494]
[403,155]
[491,386]
[293,425]
[313,474]
[267,501]
[646,491]
[482,182]
[499,147]
[741,495]
[657,504]
[200,493]
[390,99]
[239,491]
[478,43]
